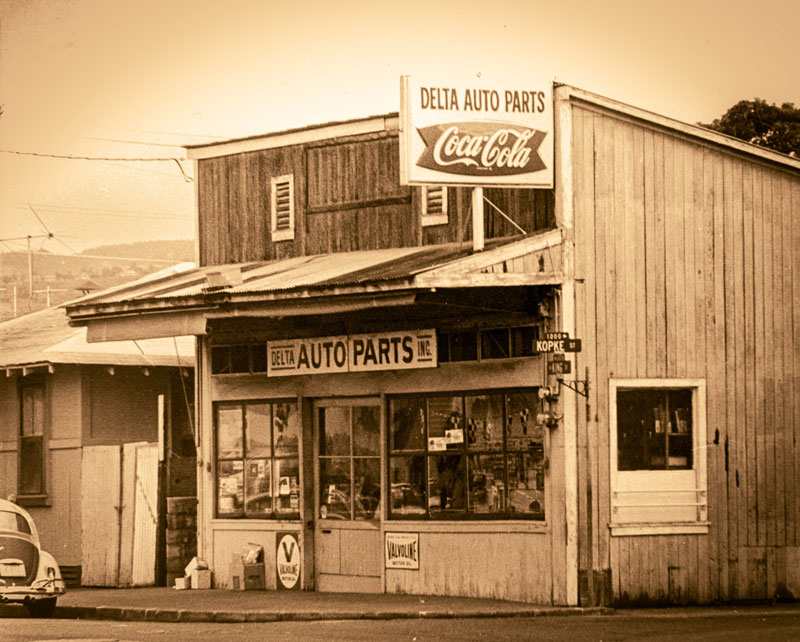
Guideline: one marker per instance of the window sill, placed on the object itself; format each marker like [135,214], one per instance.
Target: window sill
[678,528]
[429,220]
[33,500]
[282,235]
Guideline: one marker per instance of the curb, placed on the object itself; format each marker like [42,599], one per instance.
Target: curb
[187,615]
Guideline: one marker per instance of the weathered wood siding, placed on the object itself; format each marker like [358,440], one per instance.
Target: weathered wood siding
[690,260]
[347,196]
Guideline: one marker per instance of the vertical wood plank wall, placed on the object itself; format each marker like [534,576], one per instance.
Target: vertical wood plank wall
[347,197]
[689,260]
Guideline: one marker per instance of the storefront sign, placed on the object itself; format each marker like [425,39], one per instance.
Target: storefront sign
[287,561]
[355,353]
[474,132]
[402,550]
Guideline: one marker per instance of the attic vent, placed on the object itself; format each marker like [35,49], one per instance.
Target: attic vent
[283,208]
[434,205]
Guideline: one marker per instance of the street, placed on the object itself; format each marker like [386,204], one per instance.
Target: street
[728,624]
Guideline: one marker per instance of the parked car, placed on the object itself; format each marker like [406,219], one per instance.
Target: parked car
[28,575]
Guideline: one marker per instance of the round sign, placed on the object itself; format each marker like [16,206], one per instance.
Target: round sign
[288,561]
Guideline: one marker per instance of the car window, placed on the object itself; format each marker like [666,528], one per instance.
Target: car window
[14,522]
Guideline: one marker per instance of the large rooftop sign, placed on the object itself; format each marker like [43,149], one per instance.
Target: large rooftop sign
[476,132]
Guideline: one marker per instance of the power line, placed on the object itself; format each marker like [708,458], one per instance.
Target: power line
[94,211]
[186,177]
[92,256]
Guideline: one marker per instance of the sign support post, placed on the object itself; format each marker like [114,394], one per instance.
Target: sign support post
[477,219]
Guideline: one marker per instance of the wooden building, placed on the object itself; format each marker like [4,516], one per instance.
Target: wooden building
[79,444]
[377,389]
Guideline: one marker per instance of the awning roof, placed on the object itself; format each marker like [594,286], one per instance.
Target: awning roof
[182,303]
[43,339]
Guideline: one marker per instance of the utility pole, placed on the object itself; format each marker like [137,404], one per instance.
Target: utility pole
[30,269]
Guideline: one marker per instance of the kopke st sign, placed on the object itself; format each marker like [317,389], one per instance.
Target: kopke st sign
[476,132]
[354,353]
[558,345]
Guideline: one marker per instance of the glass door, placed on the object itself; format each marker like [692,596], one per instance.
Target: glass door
[348,495]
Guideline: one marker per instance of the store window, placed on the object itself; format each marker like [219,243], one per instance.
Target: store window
[658,467]
[467,456]
[257,459]
[487,343]
[31,476]
[282,207]
[239,359]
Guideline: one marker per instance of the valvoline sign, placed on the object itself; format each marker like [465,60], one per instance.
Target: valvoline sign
[476,132]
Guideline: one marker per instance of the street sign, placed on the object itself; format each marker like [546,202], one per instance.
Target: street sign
[559,367]
[558,345]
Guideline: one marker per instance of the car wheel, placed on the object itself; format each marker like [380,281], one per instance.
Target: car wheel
[42,608]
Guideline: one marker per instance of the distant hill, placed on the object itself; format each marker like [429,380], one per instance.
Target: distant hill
[59,278]
[177,251]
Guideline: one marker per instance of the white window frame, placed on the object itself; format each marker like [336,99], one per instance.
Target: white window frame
[660,502]
[434,219]
[288,233]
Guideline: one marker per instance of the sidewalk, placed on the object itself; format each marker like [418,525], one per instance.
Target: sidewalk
[217,605]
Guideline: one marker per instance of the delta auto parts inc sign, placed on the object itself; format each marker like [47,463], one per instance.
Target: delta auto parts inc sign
[476,133]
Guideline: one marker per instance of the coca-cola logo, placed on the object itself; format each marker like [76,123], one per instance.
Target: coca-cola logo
[481,148]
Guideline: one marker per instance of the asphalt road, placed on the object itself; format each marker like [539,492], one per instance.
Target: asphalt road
[730,625]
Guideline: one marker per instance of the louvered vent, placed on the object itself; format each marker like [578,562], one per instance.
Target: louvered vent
[283,209]
[434,201]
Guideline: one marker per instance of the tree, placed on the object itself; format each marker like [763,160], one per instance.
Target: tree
[760,123]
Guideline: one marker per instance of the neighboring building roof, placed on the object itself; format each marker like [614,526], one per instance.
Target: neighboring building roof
[45,338]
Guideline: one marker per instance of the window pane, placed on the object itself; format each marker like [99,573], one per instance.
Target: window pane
[446,483]
[407,424]
[229,489]
[285,429]
[487,486]
[32,411]
[464,346]
[258,488]
[334,487]
[240,358]
[258,353]
[408,485]
[220,360]
[523,341]
[522,431]
[367,488]
[445,422]
[334,431]
[485,422]
[31,478]
[287,487]
[229,431]
[654,429]
[366,430]
[494,344]
[525,485]
[257,429]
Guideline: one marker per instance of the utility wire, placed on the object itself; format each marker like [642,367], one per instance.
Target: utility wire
[186,177]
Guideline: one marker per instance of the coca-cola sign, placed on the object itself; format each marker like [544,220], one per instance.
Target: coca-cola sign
[476,132]
[481,148]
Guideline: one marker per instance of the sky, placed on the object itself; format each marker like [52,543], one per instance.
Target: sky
[139,79]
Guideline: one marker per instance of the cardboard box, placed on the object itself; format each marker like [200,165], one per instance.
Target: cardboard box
[201,579]
[247,577]
[182,583]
